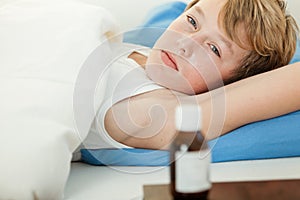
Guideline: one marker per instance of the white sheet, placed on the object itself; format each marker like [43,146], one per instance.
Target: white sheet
[125,183]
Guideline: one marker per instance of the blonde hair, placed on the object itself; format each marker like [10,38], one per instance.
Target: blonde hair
[271,34]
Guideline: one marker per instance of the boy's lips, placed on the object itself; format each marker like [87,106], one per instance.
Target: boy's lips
[168,60]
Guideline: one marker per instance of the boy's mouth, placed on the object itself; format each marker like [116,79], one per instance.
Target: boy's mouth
[168,60]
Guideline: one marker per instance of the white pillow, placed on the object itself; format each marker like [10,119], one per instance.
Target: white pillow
[43,44]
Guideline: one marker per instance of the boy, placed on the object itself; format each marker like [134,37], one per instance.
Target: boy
[212,43]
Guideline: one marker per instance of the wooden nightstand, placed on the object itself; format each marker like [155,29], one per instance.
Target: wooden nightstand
[256,190]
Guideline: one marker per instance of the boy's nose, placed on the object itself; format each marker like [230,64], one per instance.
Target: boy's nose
[188,44]
[184,46]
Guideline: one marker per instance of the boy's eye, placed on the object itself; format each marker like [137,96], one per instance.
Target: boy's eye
[192,21]
[215,50]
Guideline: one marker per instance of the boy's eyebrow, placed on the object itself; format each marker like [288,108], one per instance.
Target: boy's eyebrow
[200,11]
[227,43]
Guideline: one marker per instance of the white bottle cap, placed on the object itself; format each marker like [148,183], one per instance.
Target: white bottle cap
[188,118]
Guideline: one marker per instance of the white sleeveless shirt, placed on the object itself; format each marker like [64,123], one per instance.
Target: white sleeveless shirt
[123,78]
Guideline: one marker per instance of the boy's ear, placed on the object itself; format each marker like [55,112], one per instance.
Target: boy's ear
[191,4]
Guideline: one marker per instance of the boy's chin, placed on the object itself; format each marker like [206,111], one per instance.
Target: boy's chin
[176,86]
[182,87]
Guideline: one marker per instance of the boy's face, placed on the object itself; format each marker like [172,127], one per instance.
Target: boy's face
[194,54]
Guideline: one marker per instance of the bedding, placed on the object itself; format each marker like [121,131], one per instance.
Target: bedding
[273,138]
[43,46]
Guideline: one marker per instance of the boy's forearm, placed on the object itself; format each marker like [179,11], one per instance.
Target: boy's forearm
[257,98]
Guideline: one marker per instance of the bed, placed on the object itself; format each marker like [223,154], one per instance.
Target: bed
[255,163]
[120,180]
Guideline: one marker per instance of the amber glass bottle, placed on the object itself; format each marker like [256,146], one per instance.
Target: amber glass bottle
[190,157]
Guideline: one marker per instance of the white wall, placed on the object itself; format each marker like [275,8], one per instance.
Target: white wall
[294,8]
[130,13]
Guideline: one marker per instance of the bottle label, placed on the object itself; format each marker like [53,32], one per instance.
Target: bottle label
[192,171]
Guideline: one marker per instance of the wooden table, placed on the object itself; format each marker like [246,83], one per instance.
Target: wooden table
[260,190]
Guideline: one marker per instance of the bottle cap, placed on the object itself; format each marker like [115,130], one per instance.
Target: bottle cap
[188,118]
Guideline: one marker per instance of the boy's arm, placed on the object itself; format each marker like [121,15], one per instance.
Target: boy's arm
[147,120]
[144,121]
[260,97]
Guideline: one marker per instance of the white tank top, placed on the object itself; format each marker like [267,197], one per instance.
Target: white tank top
[123,78]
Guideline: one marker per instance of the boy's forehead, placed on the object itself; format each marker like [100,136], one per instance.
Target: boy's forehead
[210,7]
[212,11]
[215,3]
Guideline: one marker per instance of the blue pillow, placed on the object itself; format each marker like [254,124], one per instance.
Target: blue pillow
[125,157]
[296,57]
[155,24]
[273,138]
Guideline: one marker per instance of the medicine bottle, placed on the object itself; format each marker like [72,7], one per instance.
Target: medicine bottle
[189,156]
